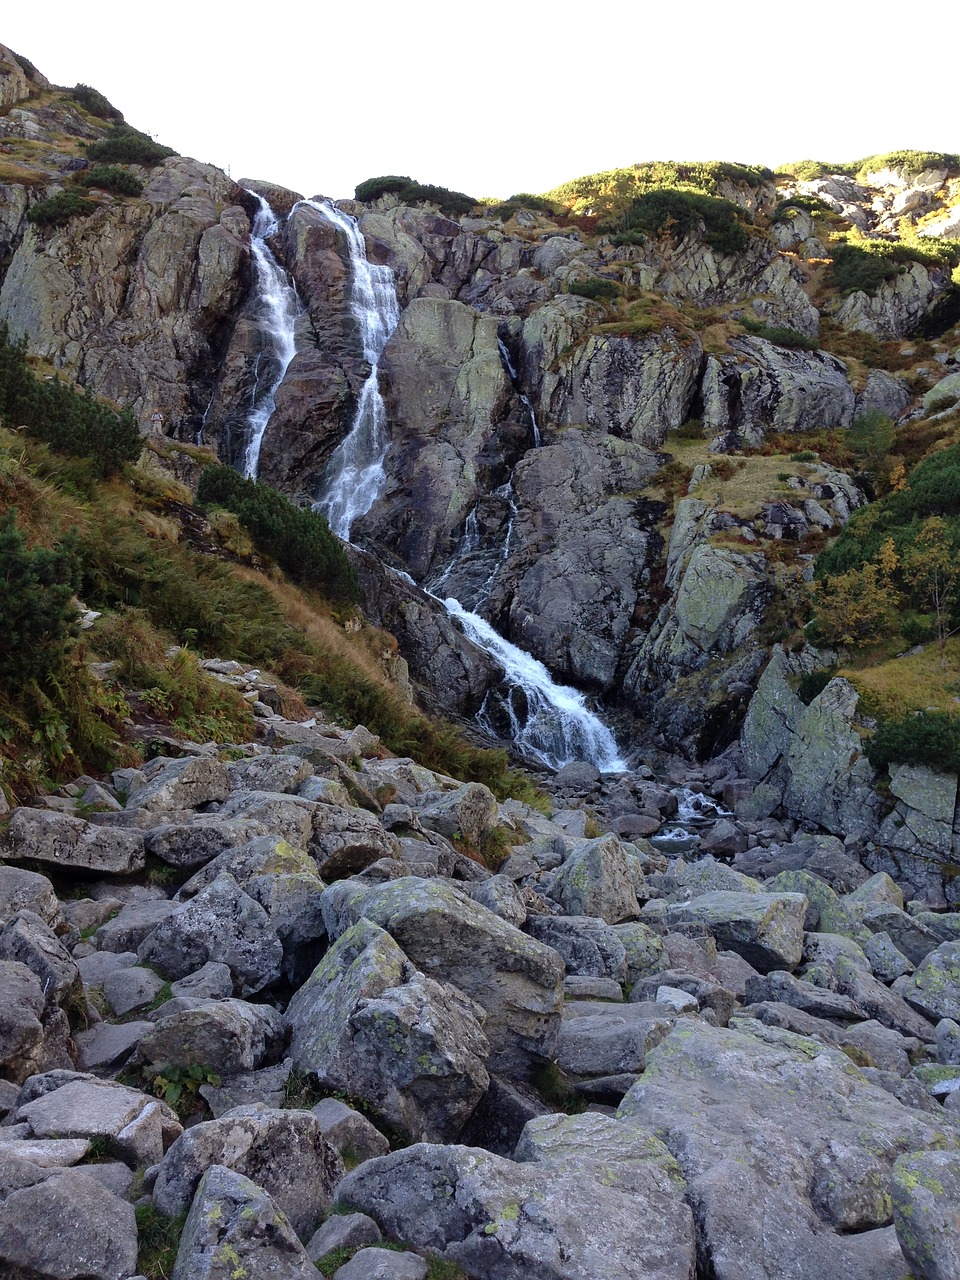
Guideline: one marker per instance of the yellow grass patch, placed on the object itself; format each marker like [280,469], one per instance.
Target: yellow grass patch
[915,682]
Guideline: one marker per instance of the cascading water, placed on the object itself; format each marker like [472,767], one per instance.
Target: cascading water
[277,312]
[512,375]
[548,721]
[355,471]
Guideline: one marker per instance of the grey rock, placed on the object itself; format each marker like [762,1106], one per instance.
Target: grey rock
[194,844]
[95,1236]
[212,981]
[771,1127]
[127,929]
[382,1264]
[948,1042]
[644,948]
[270,773]
[500,895]
[63,841]
[284,1150]
[926,1193]
[351,1133]
[595,880]
[347,840]
[934,988]
[95,967]
[782,986]
[589,946]
[139,1127]
[235,1225]
[470,811]
[22,1004]
[27,890]
[268,1086]
[343,1231]
[888,963]
[130,989]
[25,938]
[108,1045]
[224,1036]
[221,923]
[599,1039]
[367,1022]
[517,980]
[912,938]
[576,987]
[887,1049]
[766,929]
[508,1220]
[173,785]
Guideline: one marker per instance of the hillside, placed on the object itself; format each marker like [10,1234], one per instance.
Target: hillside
[479,718]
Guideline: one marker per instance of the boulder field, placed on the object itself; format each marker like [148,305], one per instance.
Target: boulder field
[273,1003]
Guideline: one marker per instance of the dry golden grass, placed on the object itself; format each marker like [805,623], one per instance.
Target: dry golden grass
[309,614]
[917,681]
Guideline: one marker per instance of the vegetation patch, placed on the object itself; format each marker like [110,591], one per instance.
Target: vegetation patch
[121,182]
[94,102]
[408,191]
[929,738]
[910,162]
[595,288]
[298,538]
[678,213]
[58,209]
[862,265]
[779,335]
[126,145]
[66,419]
[610,193]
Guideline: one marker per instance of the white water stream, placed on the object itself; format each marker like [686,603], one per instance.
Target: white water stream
[355,474]
[549,722]
[276,317]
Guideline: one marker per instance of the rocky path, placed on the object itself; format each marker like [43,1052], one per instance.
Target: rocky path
[270,997]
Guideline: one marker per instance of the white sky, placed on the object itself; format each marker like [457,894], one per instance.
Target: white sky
[498,98]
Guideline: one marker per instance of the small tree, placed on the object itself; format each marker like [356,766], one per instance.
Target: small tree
[855,607]
[932,565]
[39,620]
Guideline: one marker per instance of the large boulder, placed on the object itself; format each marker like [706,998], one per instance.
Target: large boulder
[934,988]
[43,835]
[222,1036]
[367,1023]
[282,1151]
[786,1148]
[926,1212]
[766,929]
[221,923]
[499,1220]
[517,980]
[596,880]
[236,1228]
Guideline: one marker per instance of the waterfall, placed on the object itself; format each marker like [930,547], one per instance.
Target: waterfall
[355,473]
[512,375]
[547,721]
[277,310]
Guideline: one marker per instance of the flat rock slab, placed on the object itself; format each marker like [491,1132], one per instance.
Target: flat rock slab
[785,1146]
[765,929]
[598,1039]
[64,841]
[139,1127]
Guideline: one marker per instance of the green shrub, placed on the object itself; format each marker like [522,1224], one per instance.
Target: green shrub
[126,145]
[299,539]
[595,288]
[865,265]
[409,192]
[677,213]
[374,188]
[912,162]
[608,194]
[109,178]
[928,737]
[786,209]
[809,170]
[95,103]
[39,620]
[539,204]
[59,209]
[780,335]
[812,684]
[70,421]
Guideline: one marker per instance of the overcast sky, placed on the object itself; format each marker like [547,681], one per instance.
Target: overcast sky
[498,98]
